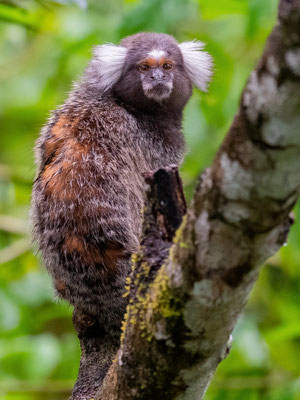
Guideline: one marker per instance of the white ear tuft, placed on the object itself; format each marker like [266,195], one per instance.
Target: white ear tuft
[109,61]
[198,63]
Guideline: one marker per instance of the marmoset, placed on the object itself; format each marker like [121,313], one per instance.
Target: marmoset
[123,118]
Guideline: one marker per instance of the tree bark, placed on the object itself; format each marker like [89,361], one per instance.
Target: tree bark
[186,297]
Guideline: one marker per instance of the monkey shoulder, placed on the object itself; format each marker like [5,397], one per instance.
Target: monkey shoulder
[81,191]
[85,129]
[87,153]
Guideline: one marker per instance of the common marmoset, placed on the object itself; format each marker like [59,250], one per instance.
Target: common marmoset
[123,118]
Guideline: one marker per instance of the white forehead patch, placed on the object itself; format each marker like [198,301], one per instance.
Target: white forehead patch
[157,54]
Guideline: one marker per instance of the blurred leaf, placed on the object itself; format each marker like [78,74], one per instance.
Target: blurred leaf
[29,357]
[9,313]
[222,7]
[80,3]
[14,250]
[18,16]
[33,289]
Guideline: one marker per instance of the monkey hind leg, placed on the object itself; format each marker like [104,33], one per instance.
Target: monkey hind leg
[98,348]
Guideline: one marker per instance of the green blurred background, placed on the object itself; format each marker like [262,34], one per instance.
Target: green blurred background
[44,45]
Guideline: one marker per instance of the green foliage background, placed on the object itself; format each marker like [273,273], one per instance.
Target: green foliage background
[45,45]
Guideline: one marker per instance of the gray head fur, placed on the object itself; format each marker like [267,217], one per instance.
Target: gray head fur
[169,69]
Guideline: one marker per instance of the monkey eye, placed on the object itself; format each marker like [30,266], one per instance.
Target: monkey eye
[167,66]
[144,67]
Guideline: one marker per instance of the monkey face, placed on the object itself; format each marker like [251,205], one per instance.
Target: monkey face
[153,74]
[156,74]
[150,71]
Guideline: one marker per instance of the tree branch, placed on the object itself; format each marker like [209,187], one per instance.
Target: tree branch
[182,310]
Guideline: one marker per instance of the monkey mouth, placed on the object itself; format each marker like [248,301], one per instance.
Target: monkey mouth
[158,91]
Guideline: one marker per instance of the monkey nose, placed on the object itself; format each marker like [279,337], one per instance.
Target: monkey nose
[157,75]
